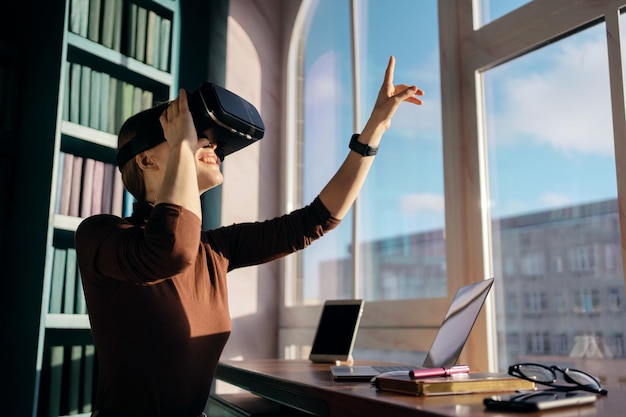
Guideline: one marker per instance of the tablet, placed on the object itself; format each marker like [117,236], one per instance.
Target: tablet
[336,331]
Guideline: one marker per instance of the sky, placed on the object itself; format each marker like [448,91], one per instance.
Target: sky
[538,124]
[548,120]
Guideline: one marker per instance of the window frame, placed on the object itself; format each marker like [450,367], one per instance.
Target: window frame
[466,50]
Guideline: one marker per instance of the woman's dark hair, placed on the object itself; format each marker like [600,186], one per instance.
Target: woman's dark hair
[145,122]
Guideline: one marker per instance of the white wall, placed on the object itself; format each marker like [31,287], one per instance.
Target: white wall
[258,34]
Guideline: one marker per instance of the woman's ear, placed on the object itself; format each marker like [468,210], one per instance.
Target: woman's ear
[144,161]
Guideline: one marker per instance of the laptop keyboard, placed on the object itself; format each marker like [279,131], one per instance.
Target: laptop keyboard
[391,368]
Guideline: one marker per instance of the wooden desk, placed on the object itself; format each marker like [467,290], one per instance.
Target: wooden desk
[309,387]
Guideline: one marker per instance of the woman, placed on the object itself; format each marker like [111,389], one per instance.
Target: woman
[155,284]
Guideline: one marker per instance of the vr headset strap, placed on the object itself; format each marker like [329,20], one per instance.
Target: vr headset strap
[135,146]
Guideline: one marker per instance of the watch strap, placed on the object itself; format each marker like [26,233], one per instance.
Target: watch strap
[361,148]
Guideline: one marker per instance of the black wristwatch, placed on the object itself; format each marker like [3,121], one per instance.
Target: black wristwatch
[361,148]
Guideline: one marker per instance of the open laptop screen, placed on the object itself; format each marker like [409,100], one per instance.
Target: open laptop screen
[457,324]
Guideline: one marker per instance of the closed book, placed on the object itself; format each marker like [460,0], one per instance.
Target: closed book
[87,187]
[117,198]
[141,33]
[79,17]
[474,382]
[85,91]
[98,187]
[108,22]
[55,384]
[147,99]
[164,44]
[59,261]
[66,91]
[81,304]
[75,187]
[69,300]
[112,119]
[131,30]
[88,378]
[60,170]
[104,96]
[74,94]
[95,99]
[127,103]
[93,29]
[74,376]
[152,33]
[117,25]
[107,188]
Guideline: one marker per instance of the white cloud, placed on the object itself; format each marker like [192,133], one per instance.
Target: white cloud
[423,202]
[565,101]
[553,200]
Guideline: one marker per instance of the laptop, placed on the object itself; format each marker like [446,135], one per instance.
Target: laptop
[336,331]
[449,340]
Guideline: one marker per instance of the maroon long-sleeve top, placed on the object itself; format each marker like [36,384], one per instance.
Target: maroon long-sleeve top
[155,287]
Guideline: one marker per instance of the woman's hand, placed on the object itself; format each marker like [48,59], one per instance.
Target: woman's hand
[179,181]
[389,98]
[341,191]
[177,122]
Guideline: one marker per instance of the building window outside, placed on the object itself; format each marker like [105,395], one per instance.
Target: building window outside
[553,190]
[552,184]
[615,298]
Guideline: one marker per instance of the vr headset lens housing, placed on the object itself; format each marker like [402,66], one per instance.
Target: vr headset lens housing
[236,121]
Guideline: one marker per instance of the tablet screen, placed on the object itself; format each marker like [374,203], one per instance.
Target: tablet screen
[336,331]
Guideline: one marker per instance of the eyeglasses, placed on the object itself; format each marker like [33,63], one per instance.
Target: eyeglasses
[546,375]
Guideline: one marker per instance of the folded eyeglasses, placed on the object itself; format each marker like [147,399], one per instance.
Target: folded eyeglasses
[546,375]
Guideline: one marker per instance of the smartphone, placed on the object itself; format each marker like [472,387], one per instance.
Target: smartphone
[537,400]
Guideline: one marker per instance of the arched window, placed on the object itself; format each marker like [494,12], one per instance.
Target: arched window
[396,227]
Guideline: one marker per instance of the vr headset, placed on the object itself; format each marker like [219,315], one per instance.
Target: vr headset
[237,122]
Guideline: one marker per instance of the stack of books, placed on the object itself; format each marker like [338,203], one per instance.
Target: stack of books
[474,382]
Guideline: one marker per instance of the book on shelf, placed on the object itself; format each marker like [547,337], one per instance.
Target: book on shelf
[107,187]
[85,86]
[141,33]
[117,201]
[129,201]
[164,44]
[147,99]
[66,91]
[74,92]
[117,25]
[81,305]
[104,96]
[112,15]
[131,29]
[108,21]
[57,279]
[88,378]
[75,187]
[87,187]
[75,358]
[55,385]
[474,382]
[153,32]
[79,17]
[59,185]
[98,187]
[93,20]
[94,99]
[111,116]
[69,299]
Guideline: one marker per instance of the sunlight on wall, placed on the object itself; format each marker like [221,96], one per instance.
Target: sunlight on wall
[240,192]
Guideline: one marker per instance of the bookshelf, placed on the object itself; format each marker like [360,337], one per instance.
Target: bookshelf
[36,50]
[117,57]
